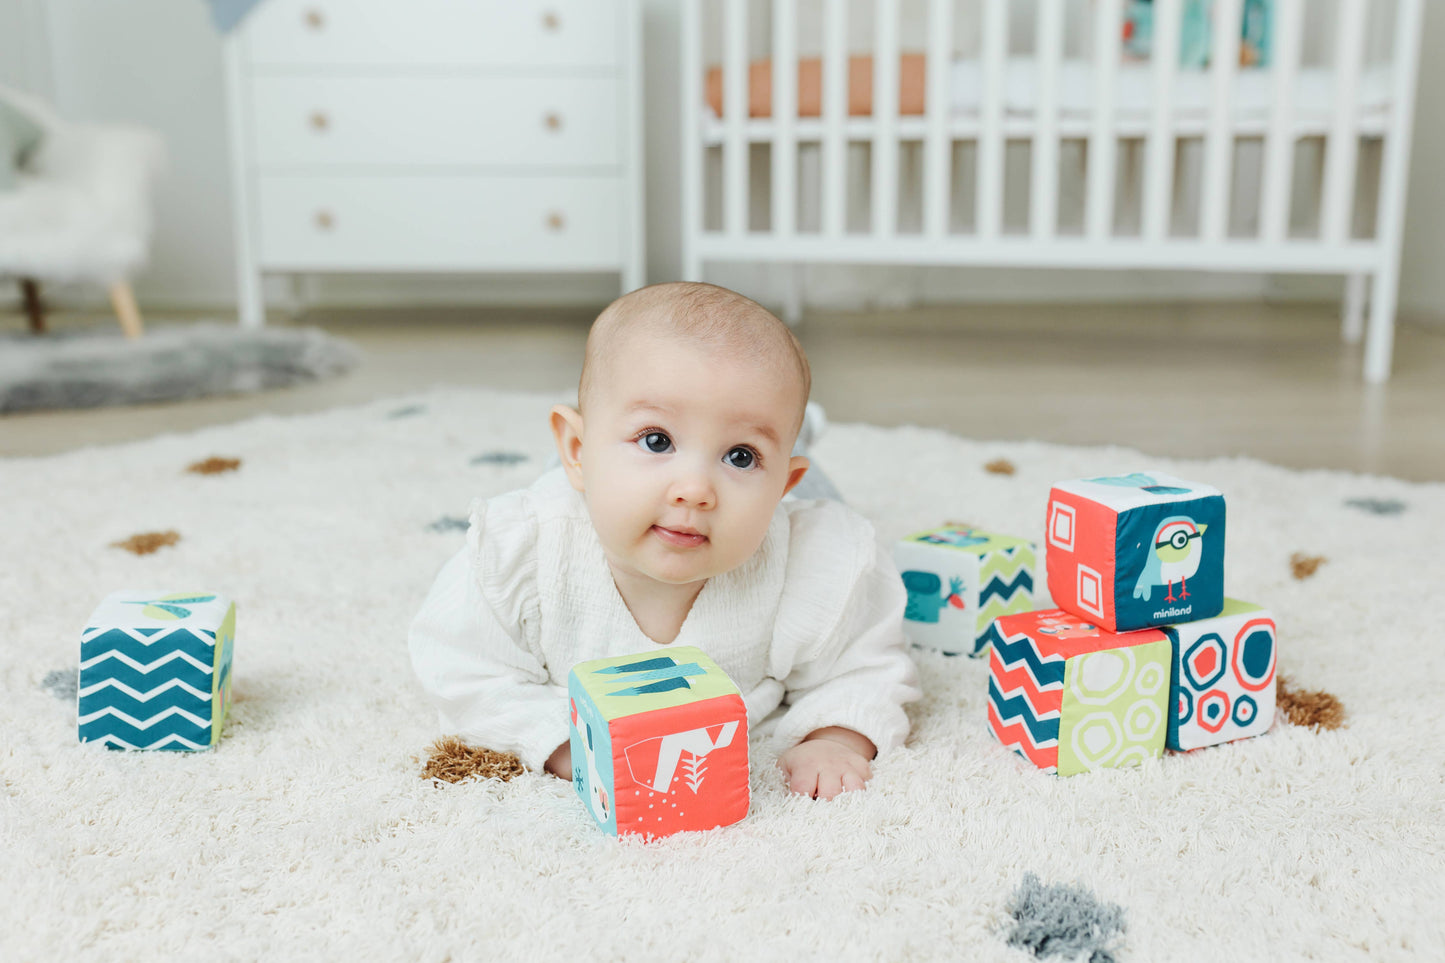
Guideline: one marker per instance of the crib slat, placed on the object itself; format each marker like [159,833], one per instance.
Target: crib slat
[1342,146]
[835,116]
[937,200]
[1285,37]
[692,145]
[1103,144]
[1159,156]
[1390,222]
[885,120]
[1044,183]
[735,117]
[1219,142]
[785,115]
[994,37]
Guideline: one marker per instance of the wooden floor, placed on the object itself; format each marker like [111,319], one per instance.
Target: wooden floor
[1270,381]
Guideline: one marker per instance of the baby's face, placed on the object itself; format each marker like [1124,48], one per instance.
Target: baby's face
[685,456]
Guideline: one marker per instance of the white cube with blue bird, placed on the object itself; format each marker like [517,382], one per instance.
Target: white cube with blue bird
[1136,551]
[960,579]
[155,670]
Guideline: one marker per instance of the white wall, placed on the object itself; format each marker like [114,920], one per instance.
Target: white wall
[158,63]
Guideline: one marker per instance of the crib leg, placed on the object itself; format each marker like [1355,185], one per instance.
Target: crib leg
[1380,338]
[1352,313]
[792,294]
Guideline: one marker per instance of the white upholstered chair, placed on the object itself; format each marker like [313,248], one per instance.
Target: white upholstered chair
[81,211]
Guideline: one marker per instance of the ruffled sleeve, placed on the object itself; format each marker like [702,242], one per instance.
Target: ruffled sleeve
[475,644]
[839,645]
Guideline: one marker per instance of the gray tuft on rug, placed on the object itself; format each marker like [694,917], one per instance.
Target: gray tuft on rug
[90,368]
[1063,920]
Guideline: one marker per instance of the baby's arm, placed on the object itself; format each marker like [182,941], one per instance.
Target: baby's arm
[850,675]
[486,680]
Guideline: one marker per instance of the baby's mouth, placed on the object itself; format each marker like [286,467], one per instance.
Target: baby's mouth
[679,539]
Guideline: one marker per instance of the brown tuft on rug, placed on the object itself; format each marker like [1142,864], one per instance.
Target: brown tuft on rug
[452,760]
[1303,707]
[147,542]
[214,465]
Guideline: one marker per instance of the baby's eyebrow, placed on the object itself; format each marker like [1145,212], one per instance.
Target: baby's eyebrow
[766,431]
[647,406]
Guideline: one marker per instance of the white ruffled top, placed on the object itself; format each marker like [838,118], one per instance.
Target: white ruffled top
[813,621]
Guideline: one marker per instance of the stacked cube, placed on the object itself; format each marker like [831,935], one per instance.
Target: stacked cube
[1136,564]
[986,575]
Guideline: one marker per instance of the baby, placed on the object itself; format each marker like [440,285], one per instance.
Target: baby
[664,524]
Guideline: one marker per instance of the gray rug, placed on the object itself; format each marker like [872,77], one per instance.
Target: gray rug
[89,368]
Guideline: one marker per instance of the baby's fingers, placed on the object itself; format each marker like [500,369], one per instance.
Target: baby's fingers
[830,784]
[853,781]
[802,780]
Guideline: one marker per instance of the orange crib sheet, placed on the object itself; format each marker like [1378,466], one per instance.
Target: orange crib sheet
[911,86]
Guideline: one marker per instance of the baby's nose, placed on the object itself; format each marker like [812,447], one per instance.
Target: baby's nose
[693,488]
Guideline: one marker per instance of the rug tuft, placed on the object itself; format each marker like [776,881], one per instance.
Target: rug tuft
[1309,707]
[148,543]
[1063,920]
[213,466]
[451,760]
[64,684]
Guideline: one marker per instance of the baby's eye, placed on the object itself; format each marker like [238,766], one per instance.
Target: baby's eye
[655,441]
[740,457]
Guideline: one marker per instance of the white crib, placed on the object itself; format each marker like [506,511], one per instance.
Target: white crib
[1297,167]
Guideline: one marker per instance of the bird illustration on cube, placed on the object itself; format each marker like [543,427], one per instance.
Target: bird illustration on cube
[1177,550]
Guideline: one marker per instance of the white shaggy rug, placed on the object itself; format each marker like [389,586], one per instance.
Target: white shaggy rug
[308,833]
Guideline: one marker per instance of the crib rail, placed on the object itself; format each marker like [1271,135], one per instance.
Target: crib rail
[1135,155]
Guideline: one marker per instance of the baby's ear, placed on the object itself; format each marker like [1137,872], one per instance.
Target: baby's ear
[567,431]
[797,468]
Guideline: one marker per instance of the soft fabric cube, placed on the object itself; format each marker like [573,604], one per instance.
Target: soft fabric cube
[659,742]
[1222,683]
[959,580]
[1070,697]
[155,670]
[1135,551]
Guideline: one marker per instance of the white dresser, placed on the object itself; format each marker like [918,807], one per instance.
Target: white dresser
[436,136]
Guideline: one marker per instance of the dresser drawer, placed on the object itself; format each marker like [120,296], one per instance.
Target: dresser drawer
[531,33]
[439,222]
[423,121]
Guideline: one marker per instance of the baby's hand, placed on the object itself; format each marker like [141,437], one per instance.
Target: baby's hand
[828,762]
[559,763]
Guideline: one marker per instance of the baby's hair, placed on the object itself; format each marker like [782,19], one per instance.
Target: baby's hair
[701,314]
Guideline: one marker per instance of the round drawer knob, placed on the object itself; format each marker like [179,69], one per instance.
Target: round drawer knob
[319,120]
[551,21]
[555,221]
[553,120]
[315,19]
[324,220]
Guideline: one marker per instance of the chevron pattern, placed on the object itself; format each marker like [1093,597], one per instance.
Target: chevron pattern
[148,688]
[1007,577]
[1025,694]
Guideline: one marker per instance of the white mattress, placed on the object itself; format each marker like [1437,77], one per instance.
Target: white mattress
[1314,94]
[1251,97]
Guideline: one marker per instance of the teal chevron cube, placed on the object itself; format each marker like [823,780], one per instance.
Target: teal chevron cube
[959,580]
[155,670]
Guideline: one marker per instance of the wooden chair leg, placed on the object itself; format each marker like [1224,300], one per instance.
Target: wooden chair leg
[122,299]
[34,307]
